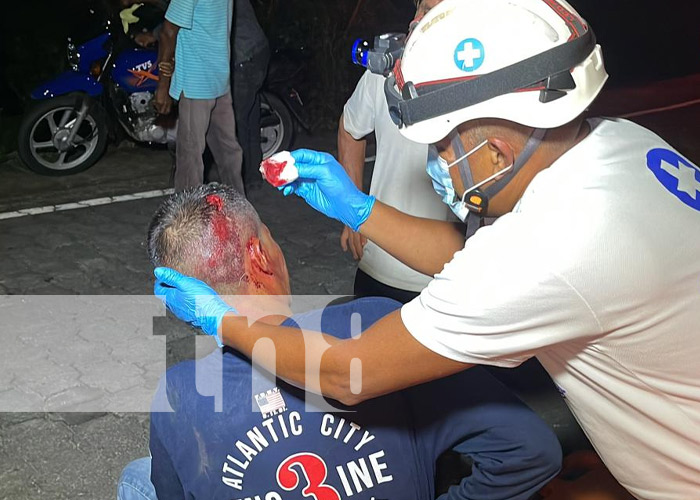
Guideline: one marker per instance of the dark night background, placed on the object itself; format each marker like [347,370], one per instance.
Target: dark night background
[642,41]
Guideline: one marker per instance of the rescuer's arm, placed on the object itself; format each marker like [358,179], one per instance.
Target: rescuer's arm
[385,358]
[423,244]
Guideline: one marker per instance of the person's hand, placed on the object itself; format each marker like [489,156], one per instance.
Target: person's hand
[324,184]
[162,100]
[191,300]
[349,239]
[165,69]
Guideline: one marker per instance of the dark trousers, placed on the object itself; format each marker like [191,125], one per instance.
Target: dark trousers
[248,78]
[514,452]
[366,286]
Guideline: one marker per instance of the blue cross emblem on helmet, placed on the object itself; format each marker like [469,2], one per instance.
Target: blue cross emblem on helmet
[469,54]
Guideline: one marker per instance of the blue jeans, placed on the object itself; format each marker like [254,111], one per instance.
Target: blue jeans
[135,482]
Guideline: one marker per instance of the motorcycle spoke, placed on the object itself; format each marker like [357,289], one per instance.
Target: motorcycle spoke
[52,123]
[79,139]
[80,146]
[42,145]
[61,159]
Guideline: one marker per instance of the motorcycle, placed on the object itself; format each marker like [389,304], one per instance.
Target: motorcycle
[110,87]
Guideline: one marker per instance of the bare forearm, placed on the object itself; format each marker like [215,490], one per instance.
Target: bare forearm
[422,244]
[286,351]
[425,245]
[167,41]
[350,370]
[351,154]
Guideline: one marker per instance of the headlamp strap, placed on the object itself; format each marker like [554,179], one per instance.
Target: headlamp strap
[473,223]
[531,145]
[453,96]
[463,163]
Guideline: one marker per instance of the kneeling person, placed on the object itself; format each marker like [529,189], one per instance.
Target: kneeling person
[269,440]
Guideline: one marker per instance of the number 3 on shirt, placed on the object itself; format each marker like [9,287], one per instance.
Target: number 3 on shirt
[315,473]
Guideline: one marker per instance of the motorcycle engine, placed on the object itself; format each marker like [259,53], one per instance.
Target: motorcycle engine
[143,117]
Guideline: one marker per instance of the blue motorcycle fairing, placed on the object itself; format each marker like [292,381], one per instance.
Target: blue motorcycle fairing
[136,70]
[91,51]
[67,82]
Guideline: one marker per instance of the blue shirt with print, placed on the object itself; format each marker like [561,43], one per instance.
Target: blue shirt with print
[259,439]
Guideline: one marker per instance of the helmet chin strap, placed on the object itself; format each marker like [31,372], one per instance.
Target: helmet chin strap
[477,199]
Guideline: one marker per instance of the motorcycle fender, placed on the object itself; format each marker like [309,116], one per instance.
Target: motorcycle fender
[68,82]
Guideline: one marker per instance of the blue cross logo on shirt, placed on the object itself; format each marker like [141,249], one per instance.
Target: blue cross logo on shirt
[677,175]
[469,54]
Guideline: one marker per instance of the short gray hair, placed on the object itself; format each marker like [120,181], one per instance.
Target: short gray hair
[202,232]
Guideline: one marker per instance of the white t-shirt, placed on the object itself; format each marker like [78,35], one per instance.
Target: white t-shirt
[399,177]
[597,273]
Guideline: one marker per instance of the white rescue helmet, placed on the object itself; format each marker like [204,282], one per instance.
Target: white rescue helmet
[533,62]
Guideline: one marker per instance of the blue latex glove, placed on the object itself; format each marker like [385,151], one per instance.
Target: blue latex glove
[324,184]
[191,300]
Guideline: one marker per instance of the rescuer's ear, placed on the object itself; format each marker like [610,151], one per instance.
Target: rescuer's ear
[501,153]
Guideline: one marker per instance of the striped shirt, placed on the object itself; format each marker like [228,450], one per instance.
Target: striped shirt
[202,53]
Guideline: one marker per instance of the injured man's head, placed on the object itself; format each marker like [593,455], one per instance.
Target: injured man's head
[214,234]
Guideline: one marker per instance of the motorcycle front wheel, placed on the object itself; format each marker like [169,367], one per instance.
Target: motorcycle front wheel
[276,125]
[45,144]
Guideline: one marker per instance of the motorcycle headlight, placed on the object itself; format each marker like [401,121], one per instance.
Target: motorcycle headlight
[73,57]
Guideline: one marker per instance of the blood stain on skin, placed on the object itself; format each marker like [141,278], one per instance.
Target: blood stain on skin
[247,279]
[251,251]
[214,260]
[222,229]
[215,201]
[223,234]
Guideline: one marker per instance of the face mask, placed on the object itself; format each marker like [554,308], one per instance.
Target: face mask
[442,183]
[459,206]
[439,171]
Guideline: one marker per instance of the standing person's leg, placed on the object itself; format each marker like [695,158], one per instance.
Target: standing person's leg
[223,144]
[243,104]
[135,481]
[248,78]
[193,122]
